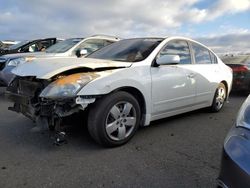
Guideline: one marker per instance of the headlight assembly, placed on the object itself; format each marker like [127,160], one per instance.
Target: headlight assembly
[243,118]
[67,86]
[17,61]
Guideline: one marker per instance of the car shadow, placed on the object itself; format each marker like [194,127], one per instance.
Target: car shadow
[169,120]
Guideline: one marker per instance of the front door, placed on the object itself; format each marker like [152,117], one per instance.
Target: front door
[173,86]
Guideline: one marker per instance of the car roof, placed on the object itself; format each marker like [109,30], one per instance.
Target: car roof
[106,37]
[39,39]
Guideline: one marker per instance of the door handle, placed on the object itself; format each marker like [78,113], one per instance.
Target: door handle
[191,75]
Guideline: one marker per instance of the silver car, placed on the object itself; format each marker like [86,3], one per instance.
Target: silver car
[73,47]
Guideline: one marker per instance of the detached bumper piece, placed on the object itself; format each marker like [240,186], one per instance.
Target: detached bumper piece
[54,113]
[21,105]
[235,163]
[61,108]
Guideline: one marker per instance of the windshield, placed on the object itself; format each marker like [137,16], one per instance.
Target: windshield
[63,46]
[18,45]
[128,50]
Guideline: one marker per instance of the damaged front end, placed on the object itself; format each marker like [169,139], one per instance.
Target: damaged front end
[24,92]
[48,102]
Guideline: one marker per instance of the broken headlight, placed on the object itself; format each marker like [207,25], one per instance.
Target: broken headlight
[243,118]
[67,86]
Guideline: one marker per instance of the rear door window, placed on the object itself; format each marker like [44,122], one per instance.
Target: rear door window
[201,54]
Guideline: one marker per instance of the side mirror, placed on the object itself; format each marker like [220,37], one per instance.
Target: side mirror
[168,59]
[81,52]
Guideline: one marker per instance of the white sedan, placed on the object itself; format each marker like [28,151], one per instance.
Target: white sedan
[122,86]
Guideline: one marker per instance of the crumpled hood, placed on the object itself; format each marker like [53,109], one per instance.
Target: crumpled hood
[45,68]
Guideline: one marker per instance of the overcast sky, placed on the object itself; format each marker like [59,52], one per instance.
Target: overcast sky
[224,25]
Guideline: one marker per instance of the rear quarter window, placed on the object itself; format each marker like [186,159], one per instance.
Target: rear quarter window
[213,58]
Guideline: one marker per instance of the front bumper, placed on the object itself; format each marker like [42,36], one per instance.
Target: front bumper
[6,76]
[25,91]
[235,163]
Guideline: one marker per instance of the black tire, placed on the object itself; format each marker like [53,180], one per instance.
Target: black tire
[219,103]
[100,113]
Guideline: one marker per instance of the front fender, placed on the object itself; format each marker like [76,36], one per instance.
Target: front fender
[136,77]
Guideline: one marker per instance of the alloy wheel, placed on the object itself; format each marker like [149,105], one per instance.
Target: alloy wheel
[220,98]
[120,121]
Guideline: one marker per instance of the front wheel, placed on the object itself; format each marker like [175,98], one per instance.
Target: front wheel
[114,119]
[219,98]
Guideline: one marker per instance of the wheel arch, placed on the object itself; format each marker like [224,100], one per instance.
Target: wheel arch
[139,97]
[226,85]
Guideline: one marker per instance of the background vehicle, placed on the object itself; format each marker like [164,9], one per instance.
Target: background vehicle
[235,168]
[123,85]
[241,71]
[7,43]
[73,47]
[29,46]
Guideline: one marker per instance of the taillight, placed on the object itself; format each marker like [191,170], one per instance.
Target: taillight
[241,68]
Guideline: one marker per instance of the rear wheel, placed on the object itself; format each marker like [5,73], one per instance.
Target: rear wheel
[114,119]
[219,98]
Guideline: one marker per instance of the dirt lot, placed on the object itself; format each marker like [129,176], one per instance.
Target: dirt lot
[183,151]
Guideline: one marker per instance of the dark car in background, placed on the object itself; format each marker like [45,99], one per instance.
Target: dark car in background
[241,71]
[29,46]
[235,163]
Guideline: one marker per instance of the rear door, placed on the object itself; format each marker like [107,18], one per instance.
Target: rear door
[207,73]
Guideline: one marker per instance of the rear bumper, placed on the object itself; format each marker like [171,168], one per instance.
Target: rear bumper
[235,162]
[241,83]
